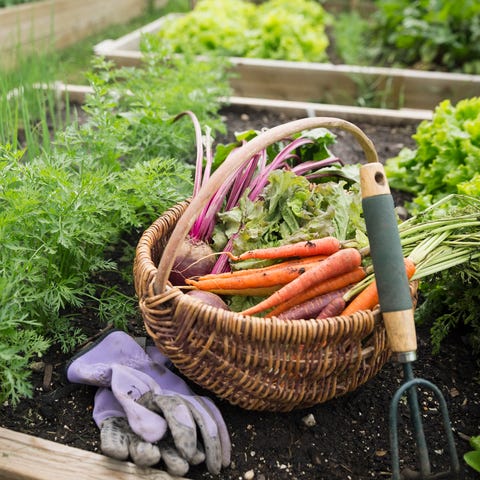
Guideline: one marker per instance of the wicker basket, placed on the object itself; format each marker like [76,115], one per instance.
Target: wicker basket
[255,363]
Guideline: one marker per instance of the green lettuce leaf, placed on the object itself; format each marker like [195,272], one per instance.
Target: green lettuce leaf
[292,209]
[447,157]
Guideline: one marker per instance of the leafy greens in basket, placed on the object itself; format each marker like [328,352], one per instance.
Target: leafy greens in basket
[292,209]
[282,173]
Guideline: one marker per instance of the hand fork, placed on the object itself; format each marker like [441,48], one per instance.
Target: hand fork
[397,311]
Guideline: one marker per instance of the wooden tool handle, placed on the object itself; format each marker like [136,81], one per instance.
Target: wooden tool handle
[388,262]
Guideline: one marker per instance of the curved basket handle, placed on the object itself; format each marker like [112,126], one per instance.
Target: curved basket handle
[230,167]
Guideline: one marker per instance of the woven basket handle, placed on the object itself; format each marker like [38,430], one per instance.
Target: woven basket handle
[230,167]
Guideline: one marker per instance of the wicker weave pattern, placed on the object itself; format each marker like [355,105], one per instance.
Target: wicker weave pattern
[256,363]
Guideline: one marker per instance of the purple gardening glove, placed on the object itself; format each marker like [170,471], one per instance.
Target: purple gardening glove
[118,440]
[154,399]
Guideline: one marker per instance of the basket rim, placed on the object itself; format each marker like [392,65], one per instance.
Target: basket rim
[231,321]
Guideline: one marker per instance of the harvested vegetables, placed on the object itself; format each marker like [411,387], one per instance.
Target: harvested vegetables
[367,299]
[432,241]
[312,307]
[274,275]
[271,200]
[343,261]
[295,192]
[321,246]
[333,308]
[334,284]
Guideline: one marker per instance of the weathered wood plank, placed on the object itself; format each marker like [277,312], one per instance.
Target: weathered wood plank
[59,23]
[377,116]
[304,81]
[320,82]
[24,457]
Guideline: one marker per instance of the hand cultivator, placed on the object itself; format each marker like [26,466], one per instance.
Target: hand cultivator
[397,310]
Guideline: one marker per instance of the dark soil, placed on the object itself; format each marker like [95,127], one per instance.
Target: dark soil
[350,438]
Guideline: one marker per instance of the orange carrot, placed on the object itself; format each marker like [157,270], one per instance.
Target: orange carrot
[322,288]
[333,308]
[312,307]
[367,299]
[342,261]
[248,271]
[321,246]
[247,292]
[265,278]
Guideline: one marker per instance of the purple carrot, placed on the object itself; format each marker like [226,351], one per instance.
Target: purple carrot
[311,308]
[333,308]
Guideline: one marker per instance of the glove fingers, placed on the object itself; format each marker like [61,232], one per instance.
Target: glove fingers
[114,438]
[144,454]
[175,463]
[179,420]
[128,385]
[199,456]
[225,442]
[209,431]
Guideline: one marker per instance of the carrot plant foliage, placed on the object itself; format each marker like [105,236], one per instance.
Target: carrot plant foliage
[64,212]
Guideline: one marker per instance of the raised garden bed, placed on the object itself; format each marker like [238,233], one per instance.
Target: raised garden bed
[380,116]
[318,82]
[348,440]
[31,458]
[38,25]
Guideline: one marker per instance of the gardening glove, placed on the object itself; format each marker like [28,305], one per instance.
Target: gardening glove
[119,441]
[153,398]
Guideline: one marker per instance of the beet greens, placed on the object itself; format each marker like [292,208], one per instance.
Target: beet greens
[305,156]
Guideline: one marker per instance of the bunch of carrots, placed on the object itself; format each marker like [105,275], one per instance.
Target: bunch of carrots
[313,279]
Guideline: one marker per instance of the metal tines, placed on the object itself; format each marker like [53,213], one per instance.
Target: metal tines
[410,388]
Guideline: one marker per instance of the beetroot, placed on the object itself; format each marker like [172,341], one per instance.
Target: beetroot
[194,258]
[209,298]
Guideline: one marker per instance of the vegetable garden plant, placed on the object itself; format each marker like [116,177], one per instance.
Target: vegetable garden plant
[446,30]
[63,211]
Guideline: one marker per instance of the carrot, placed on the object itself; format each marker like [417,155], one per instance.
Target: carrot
[321,246]
[247,271]
[253,291]
[265,278]
[322,288]
[367,299]
[333,308]
[342,261]
[312,307]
